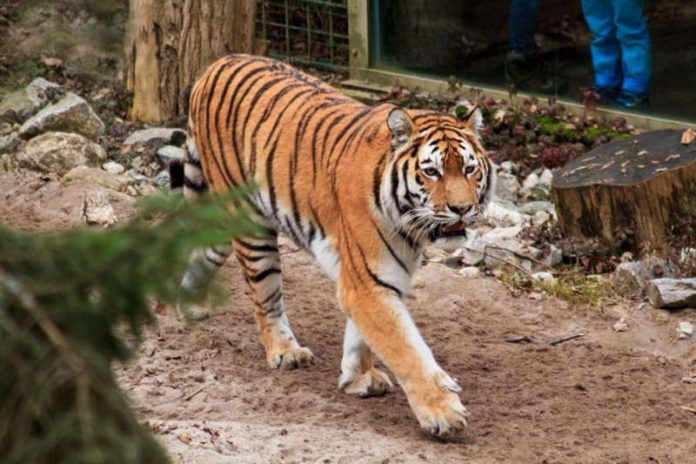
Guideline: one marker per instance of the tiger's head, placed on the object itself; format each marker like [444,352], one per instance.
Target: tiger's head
[441,179]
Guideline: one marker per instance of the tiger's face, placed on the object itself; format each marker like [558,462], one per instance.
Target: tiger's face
[446,177]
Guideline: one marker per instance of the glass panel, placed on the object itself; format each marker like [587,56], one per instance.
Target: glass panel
[470,40]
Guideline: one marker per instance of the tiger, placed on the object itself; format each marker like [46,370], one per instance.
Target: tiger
[362,188]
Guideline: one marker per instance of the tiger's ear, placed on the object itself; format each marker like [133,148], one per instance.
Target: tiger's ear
[401,126]
[472,116]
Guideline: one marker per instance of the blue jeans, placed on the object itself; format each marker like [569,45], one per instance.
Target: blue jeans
[620,44]
[523,21]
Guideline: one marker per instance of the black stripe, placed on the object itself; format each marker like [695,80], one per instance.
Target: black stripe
[375,277]
[188,183]
[377,182]
[256,278]
[255,247]
[391,250]
[223,169]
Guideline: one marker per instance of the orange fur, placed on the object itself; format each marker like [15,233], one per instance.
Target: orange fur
[335,175]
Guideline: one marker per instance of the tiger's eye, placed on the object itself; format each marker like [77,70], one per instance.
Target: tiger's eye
[469,170]
[430,172]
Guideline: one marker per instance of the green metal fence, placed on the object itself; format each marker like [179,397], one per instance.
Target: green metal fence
[311,32]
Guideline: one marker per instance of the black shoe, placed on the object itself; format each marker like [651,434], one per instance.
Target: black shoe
[606,94]
[633,100]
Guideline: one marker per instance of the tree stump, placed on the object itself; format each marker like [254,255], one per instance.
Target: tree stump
[645,186]
[169,43]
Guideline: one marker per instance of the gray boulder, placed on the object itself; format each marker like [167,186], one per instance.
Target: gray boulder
[20,105]
[630,278]
[507,186]
[70,114]
[672,293]
[59,152]
[98,177]
[160,135]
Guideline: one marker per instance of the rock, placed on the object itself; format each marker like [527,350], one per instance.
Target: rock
[685,330]
[170,152]
[8,162]
[9,143]
[540,218]
[97,210]
[506,187]
[504,214]
[502,233]
[20,105]
[629,279]
[530,181]
[470,272]
[70,114]
[544,277]
[540,192]
[672,293]
[555,256]
[546,177]
[98,177]
[159,135]
[434,254]
[620,326]
[533,207]
[162,179]
[59,152]
[509,167]
[113,167]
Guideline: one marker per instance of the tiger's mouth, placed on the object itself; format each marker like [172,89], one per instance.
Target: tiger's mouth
[458,229]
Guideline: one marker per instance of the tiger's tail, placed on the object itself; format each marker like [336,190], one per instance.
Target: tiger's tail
[187,174]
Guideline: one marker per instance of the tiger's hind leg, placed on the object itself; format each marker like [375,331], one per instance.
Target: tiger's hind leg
[358,373]
[260,261]
[202,267]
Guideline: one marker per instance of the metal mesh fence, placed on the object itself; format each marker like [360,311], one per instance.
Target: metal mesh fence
[311,32]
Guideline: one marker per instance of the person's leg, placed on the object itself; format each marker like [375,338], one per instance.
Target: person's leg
[606,52]
[523,22]
[632,32]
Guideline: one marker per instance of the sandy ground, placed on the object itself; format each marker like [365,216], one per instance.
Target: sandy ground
[208,395]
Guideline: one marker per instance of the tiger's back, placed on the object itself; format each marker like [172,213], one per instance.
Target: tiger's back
[259,120]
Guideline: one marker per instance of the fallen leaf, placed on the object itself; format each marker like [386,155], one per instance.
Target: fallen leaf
[688,136]
[184,438]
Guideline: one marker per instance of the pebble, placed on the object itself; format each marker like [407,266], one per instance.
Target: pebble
[113,167]
[470,272]
[544,277]
[685,330]
[620,326]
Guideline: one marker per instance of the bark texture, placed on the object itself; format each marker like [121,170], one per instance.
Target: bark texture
[170,42]
[645,185]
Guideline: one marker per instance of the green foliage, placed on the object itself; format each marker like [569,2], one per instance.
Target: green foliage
[70,305]
[577,288]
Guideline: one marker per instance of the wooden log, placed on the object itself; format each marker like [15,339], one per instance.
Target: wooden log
[645,186]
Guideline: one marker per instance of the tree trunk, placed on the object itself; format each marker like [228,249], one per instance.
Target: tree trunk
[644,186]
[170,42]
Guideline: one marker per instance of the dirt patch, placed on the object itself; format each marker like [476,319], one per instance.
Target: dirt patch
[208,395]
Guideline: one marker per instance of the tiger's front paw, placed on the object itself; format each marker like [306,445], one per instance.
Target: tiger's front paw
[370,383]
[438,408]
[291,358]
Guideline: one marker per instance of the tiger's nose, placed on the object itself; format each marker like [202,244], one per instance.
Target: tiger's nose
[459,209]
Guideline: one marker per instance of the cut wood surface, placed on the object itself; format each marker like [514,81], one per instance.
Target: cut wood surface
[645,185]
